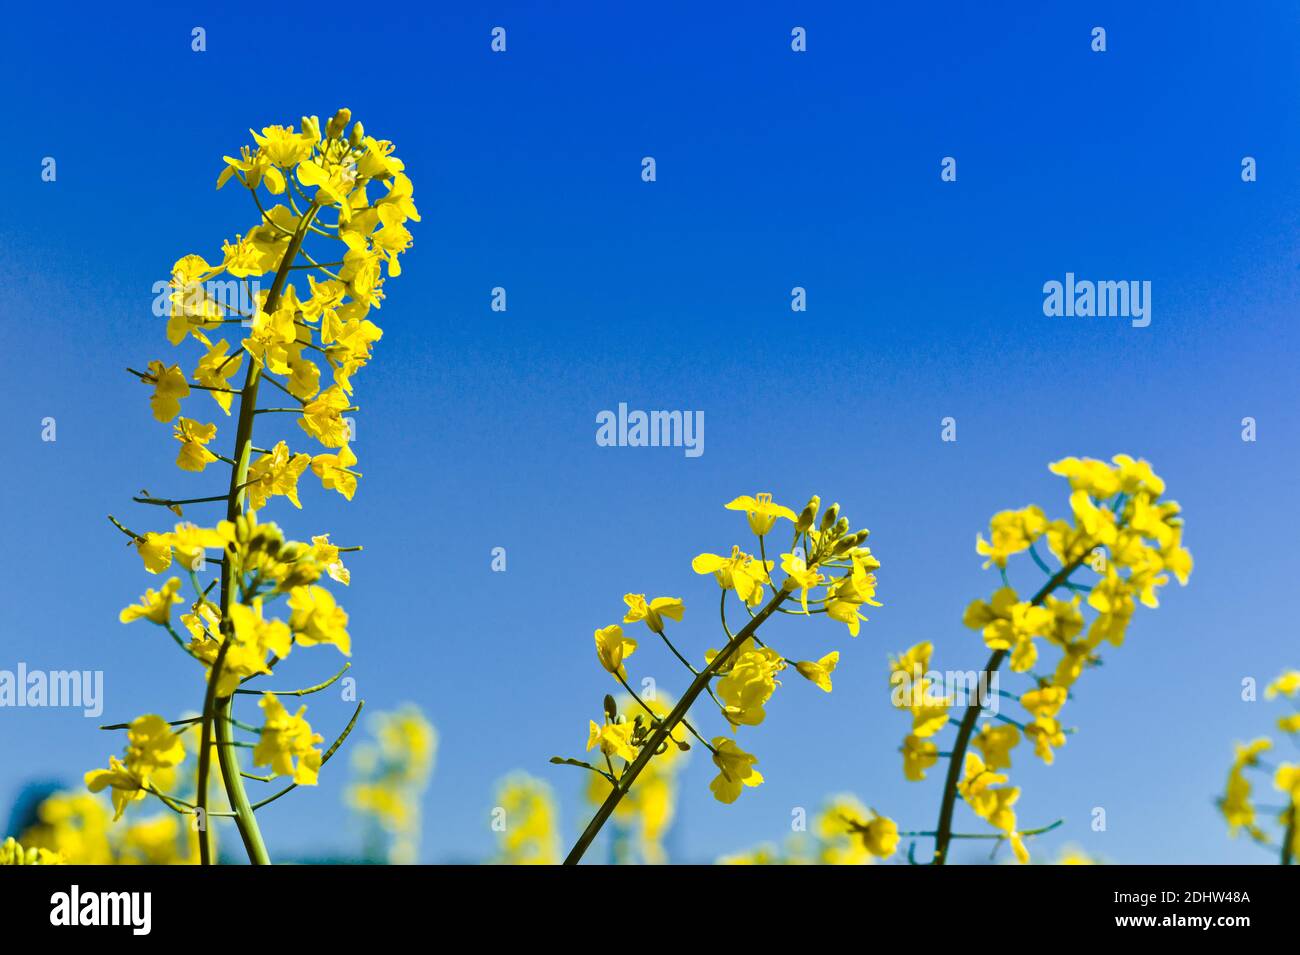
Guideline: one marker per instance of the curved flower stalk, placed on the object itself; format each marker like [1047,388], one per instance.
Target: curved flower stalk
[1236,804]
[390,777]
[827,571]
[318,191]
[1130,538]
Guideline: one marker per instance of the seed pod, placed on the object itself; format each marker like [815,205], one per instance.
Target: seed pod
[808,515]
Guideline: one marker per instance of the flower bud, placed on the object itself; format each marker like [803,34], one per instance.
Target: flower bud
[358,133]
[841,527]
[844,545]
[808,515]
[829,518]
[338,123]
[311,128]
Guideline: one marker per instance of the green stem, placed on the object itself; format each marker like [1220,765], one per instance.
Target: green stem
[235,500]
[205,756]
[1288,838]
[666,727]
[943,832]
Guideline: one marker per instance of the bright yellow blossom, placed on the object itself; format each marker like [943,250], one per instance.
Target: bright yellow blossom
[276,473]
[287,743]
[735,770]
[654,611]
[820,671]
[761,511]
[739,572]
[612,648]
[335,471]
[318,619]
[169,387]
[614,739]
[193,436]
[154,606]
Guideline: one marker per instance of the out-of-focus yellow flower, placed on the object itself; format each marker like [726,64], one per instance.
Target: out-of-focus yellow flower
[391,775]
[991,802]
[527,821]
[12,853]
[1237,809]
[153,841]
[1046,734]
[918,756]
[1288,684]
[995,744]
[1011,532]
[837,828]
[1073,855]
[74,825]
[1009,623]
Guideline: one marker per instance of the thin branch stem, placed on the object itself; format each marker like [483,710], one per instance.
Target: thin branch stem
[657,738]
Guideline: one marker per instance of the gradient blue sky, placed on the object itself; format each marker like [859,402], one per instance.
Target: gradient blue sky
[774,170]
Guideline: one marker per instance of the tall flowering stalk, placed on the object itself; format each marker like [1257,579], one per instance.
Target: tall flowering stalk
[827,571]
[1130,537]
[1236,805]
[308,179]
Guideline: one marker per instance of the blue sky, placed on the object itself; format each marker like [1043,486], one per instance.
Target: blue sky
[775,170]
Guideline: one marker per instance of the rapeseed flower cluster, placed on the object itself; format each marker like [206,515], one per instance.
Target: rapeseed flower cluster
[1129,536]
[826,569]
[344,190]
